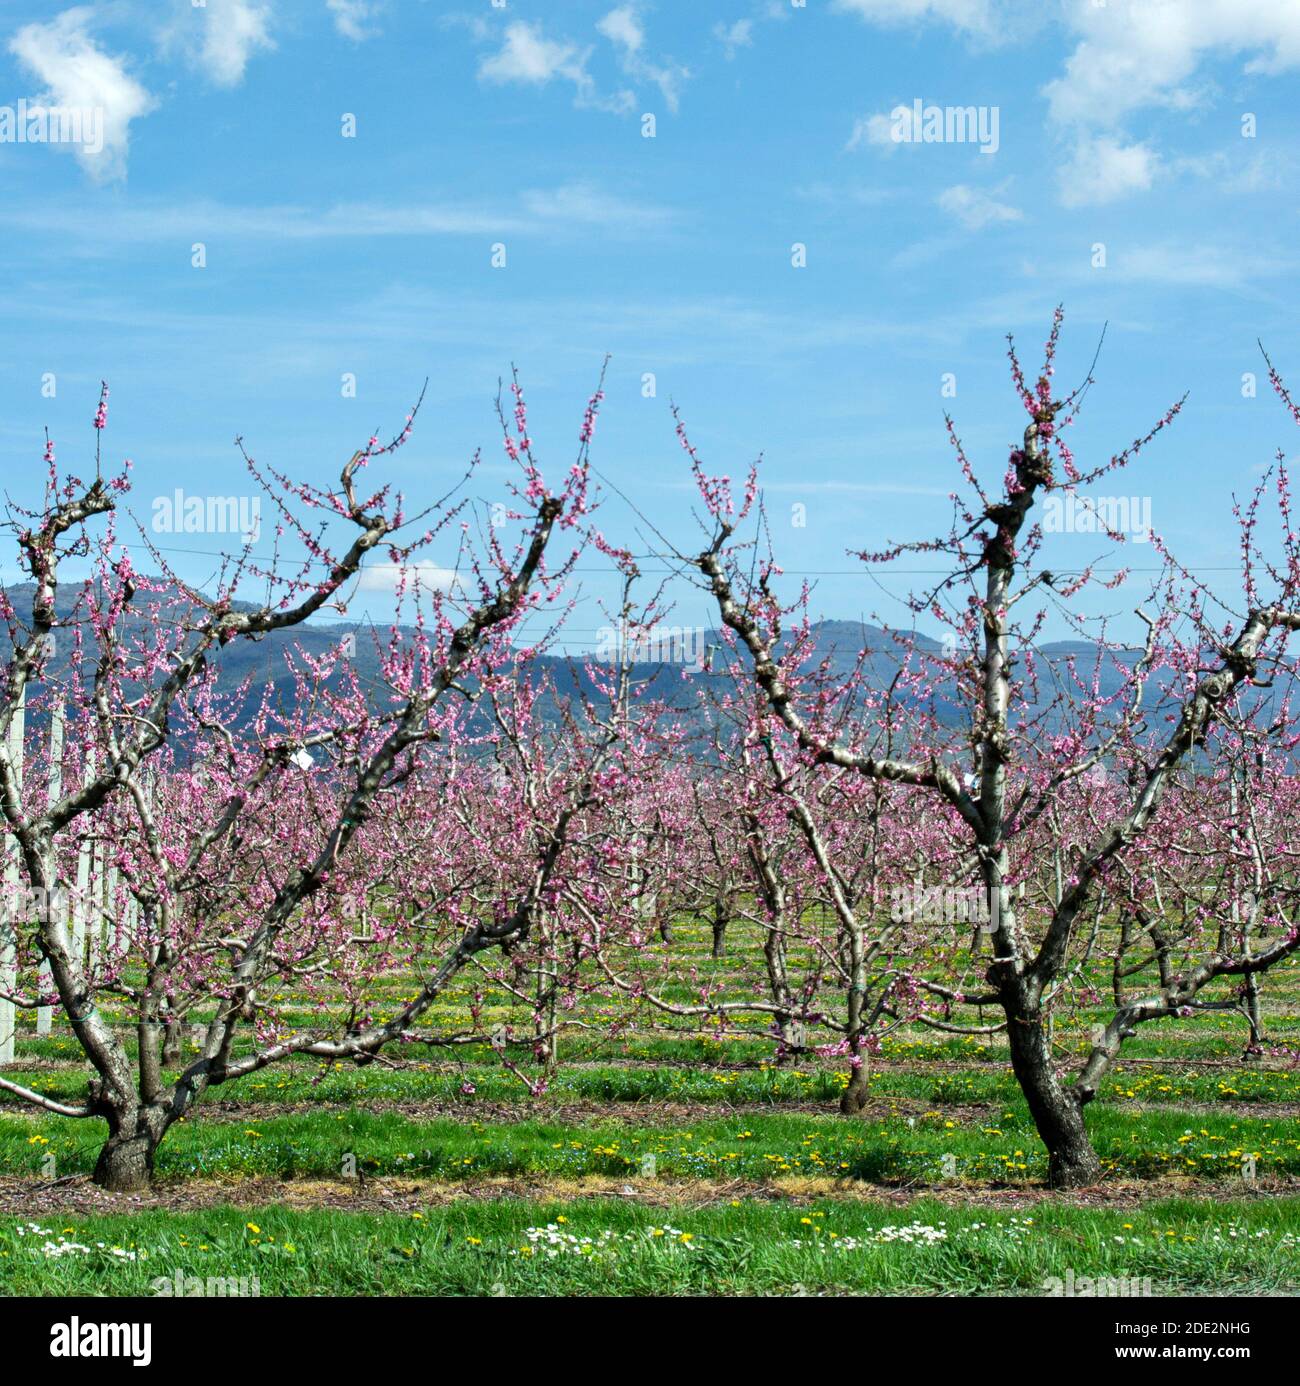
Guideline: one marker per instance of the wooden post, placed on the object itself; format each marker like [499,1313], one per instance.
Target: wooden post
[46,982]
[13,883]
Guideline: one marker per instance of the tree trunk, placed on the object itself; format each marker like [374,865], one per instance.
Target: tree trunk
[548,1021]
[720,919]
[1057,1113]
[125,1164]
[1255,1044]
[854,1097]
[171,1050]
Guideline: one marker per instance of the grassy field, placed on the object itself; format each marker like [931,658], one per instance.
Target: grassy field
[660,1161]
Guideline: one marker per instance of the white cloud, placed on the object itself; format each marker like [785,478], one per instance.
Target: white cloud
[583,204]
[623,28]
[74,72]
[555,211]
[1132,56]
[1135,57]
[219,37]
[352,17]
[879,129]
[1270,170]
[974,16]
[1103,170]
[1127,57]
[432,577]
[1196,265]
[735,36]
[526,56]
[975,208]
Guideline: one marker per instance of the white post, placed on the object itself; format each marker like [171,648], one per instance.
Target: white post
[85,873]
[44,1013]
[109,912]
[13,882]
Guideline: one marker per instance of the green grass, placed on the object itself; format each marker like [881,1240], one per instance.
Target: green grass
[740,1247]
[738,1150]
[755,1146]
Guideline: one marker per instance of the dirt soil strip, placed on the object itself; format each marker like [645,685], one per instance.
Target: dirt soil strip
[77,1196]
[646,1112]
[808,1065]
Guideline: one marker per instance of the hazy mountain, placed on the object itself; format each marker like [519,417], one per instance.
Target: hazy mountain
[672,669]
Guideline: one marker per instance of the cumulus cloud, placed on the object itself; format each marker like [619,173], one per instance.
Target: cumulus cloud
[76,73]
[975,208]
[622,28]
[526,56]
[432,577]
[1125,58]
[1133,56]
[220,37]
[1103,170]
[1130,58]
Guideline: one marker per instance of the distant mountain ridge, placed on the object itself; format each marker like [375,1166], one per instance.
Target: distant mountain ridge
[838,643]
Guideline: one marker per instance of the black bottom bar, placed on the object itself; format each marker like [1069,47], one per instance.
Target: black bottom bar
[46,1334]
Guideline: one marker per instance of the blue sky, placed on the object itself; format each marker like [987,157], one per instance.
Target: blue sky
[1165,132]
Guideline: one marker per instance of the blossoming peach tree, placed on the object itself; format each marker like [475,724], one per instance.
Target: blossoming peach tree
[241,854]
[1070,794]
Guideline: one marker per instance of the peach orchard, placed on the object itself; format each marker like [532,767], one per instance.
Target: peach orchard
[954,847]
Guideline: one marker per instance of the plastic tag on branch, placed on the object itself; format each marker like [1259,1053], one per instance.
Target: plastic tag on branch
[302,759]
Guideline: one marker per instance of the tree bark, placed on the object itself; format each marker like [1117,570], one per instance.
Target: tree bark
[1057,1112]
[1255,1044]
[171,1050]
[125,1163]
[854,1097]
[721,918]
